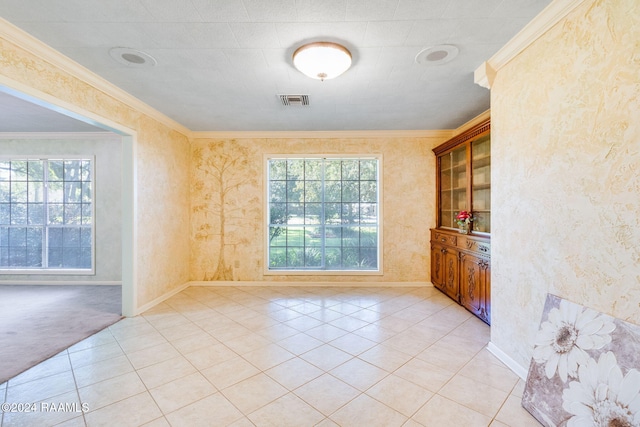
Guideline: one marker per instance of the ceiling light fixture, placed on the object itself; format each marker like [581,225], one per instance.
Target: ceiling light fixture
[322,60]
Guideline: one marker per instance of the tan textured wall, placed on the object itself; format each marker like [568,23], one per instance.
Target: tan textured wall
[566,173]
[162,162]
[408,195]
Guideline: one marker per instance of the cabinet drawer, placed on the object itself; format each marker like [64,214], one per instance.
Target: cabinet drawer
[444,239]
[479,247]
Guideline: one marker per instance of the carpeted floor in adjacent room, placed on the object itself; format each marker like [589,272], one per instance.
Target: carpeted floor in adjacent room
[39,321]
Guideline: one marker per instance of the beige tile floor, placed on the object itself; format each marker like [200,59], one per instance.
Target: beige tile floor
[285,356]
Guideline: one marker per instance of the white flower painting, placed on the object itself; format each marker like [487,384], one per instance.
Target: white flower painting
[585,369]
[564,337]
[602,396]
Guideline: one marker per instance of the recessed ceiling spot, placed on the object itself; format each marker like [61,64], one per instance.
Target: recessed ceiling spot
[133,57]
[436,55]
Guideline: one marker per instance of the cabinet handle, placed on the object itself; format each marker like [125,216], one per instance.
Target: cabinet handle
[444,251]
[443,239]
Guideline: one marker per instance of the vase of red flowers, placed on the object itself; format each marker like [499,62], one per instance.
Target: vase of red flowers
[464,220]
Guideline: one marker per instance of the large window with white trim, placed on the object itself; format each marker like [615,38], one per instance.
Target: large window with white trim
[46,214]
[323,214]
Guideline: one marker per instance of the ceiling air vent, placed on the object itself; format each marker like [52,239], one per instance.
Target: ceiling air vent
[290,100]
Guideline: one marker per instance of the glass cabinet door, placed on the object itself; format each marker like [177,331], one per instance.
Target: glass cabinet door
[453,186]
[481,183]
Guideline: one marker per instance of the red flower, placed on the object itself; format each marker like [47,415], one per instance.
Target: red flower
[463,215]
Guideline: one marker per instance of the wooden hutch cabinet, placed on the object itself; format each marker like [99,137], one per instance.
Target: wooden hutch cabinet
[461,256]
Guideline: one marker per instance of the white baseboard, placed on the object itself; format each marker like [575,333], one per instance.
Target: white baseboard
[265,283]
[151,304]
[517,369]
[60,282]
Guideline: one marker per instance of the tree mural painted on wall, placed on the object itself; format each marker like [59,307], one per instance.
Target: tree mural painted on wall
[222,169]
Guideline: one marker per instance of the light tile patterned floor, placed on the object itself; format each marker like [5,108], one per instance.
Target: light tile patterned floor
[279,356]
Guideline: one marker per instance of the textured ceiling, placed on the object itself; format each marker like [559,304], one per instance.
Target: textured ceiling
[221,64]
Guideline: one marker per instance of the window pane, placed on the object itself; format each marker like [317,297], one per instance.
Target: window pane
[368,170]
[19,192]
[56,170]
[86,192]
[312,170]
[295,169]
[295,191]
[368,191]
[350,169]
[35,213]
[313,213]
[278,191]
[55,192]
[313,191]
[332,213]
[85,238]
[277,169]
[87,214]
[19,213]
[72,170]
[295,213]
[333,191]
[19,170]
[86,170]
[72,213]
[350,191]
[368,213]
[5,192]
[350,213]
[55,237]
[72,192]
[70,237]
[332,170]
[278,257]
[295,257]
[5,170]
[56,213]
[36,168]
[5,213]
[36,191]
[277,236]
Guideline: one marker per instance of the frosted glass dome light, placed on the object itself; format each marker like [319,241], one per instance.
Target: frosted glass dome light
[322,60]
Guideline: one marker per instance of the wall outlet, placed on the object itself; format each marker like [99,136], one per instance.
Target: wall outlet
[236,264]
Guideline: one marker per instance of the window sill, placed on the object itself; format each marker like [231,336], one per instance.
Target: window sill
[323,273]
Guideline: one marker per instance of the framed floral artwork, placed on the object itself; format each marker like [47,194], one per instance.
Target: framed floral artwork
[585,369]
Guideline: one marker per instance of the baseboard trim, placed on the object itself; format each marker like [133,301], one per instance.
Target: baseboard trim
[160,299]
[511,364]
[262,283]
[61,282]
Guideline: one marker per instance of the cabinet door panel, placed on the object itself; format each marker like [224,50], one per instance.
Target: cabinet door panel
[450,285]
[471,284]
[437,266]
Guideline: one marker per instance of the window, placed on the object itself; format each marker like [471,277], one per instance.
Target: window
[46,214]
[323,214]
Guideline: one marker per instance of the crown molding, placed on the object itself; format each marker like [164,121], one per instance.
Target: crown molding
[58,135]
[473,122]
[347,134]
[550,16]
[25,41]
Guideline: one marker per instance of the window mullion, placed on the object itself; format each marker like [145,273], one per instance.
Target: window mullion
[45,214]
[323,231]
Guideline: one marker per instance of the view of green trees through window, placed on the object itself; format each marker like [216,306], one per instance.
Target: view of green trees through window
[323,214]
[46,214]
